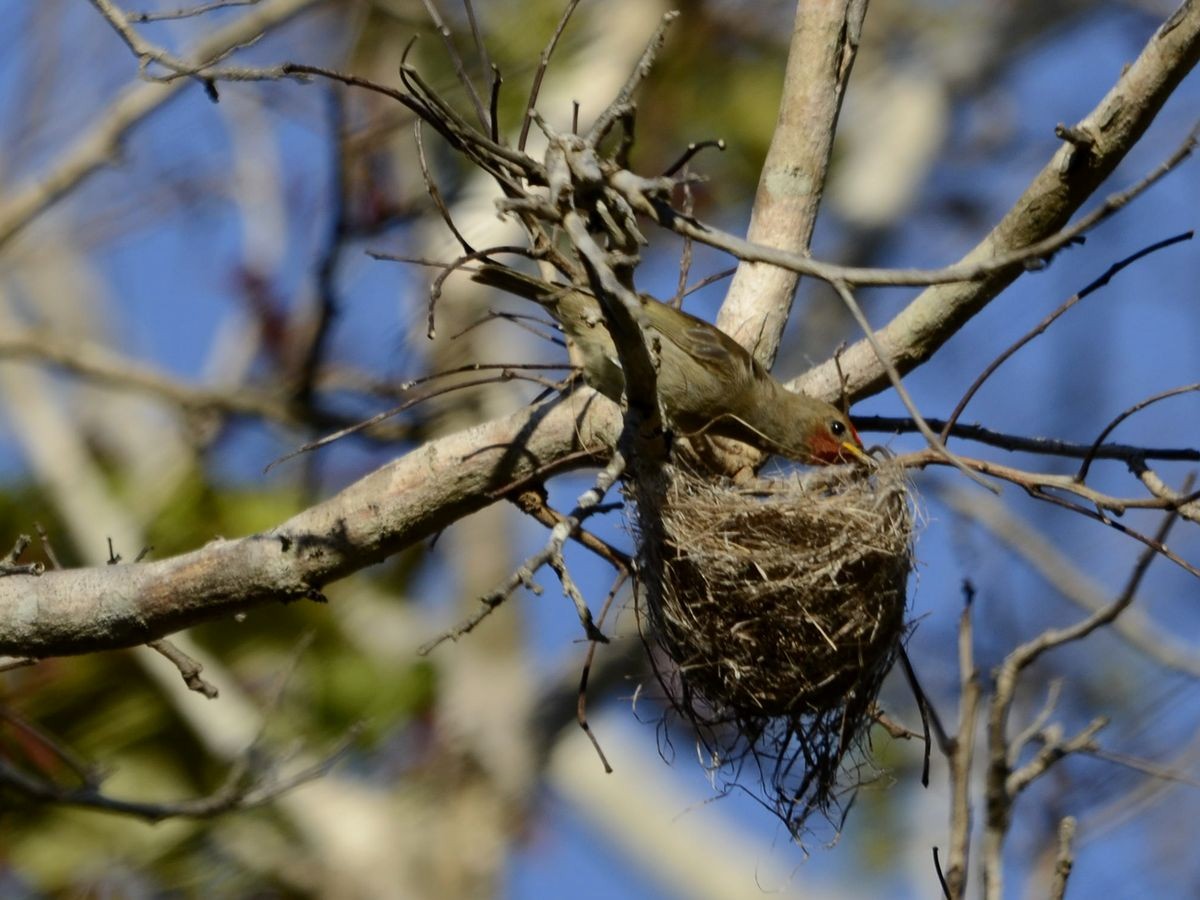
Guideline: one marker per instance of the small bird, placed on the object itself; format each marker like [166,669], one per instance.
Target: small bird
[708,383]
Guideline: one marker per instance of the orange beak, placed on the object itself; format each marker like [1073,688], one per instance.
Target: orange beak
[857,452]
[855,448]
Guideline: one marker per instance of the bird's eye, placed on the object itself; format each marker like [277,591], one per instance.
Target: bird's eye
[837,428]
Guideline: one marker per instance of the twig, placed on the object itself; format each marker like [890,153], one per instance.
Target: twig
[525,322]
[1041,327]
[1054,751]
[1187,505]
[1039,485]
[961,758]
[1044,446]
[928,716]
[895,729]
[9,564]
[494,104]
[935,442]
[1064,860]
[456,58]
[585,671]
[1006,780]
[709,279]
[100,144]
[1052,638]
[504,375]
[189,668]
[47,547]
[685,258]
[436,196]
[540,72]
[188,12]
[974,270]
[641,69]
[104,366]
[1162,773]
[1017,744]
[692,149]
[1037,550]
[1081,475]
[533,503]
[435,289]
[937,868]
[480,47]
[550,553]
[234,794]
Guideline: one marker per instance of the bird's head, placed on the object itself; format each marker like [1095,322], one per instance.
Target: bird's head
[832,439]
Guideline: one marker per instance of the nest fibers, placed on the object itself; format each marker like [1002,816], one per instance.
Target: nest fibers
[781,606]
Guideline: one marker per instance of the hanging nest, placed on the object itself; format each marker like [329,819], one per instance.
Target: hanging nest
[779,607]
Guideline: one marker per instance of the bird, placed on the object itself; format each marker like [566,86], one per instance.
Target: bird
[708,383]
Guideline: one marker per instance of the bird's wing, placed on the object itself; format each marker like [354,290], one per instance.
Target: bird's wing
[702,341]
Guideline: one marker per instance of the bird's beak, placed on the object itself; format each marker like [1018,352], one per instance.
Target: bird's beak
[857,452]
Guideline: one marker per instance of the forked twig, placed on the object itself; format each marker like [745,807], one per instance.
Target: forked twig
[550,554]
[1041,327]
[843,290]
[1081,475]
[540,72]
[456,59]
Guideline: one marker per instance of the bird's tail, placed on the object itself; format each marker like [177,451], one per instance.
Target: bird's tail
[520,284]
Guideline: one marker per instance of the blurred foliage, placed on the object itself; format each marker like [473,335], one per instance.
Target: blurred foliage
[718,78]
[105,709]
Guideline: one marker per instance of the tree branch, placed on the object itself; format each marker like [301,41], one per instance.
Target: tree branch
[822,51]
[1070,176]
[104,607]
[100,145]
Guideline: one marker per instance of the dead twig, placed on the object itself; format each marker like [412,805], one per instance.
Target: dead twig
[188,667]
[1041,327]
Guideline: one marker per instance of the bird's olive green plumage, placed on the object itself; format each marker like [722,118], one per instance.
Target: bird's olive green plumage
[707,381]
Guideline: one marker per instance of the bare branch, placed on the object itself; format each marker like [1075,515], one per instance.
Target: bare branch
[550,555]
[1064,860]
[242,789]
[460,68]
[821,53]
[1044,446]
[540,72]
[1063,185]
[1081,475]
[963,753]
[401,503]
[1041,327]
[9,564]
[1037,550]
[533,503]
[188,12]
[936,443]
[1186,505]
[189,668]
[99,145]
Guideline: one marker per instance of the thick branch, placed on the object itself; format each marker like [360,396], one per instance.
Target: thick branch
[99,146]
[1071,176]
[823,47]
[82,610]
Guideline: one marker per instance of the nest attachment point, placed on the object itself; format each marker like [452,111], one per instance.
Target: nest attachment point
[780,606]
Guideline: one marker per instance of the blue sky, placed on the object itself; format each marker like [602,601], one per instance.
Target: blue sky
[1133,338]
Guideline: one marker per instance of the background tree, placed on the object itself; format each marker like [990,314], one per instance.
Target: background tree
[186,299]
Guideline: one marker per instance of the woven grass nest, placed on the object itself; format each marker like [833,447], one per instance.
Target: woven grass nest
[781,606]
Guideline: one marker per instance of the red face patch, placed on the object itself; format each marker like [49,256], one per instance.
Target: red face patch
[825,449]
